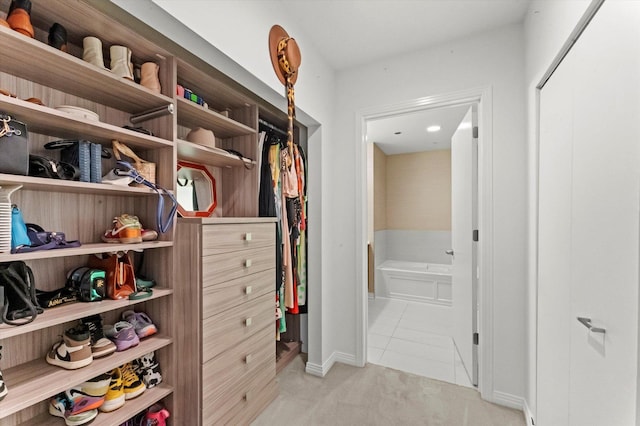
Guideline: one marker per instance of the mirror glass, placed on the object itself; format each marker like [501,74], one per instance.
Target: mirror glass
[196,190]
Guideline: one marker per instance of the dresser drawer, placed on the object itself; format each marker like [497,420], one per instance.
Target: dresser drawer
[228,266]
[246,411]
[240,361]
[224,330]
[238,396]
[225,238]
[220,297]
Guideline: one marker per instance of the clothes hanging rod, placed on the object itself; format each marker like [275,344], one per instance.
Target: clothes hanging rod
[271,126]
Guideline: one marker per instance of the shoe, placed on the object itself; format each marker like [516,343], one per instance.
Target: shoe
[3,387]
[126,229]
[73,351]
[156,416]
[100,345]
[133,386]
[114,398]
[122,334]
[149,76]
[58,37]
[121,64]
[62,405]
[98,386]
[92,52]
[148,369]
[19,17]
[149,235]
[141,323]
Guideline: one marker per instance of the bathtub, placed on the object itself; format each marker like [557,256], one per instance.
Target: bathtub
[415,281]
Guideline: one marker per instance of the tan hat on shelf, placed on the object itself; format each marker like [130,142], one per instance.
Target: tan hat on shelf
[202,137]
[285,54]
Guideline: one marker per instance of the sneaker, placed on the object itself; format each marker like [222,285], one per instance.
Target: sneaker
[133,386]
[114,398]
[62,405]
[100,345]
[155,416]
[98,386]
[122,334]
[3,387]
[73,351]
[148,369]
[141,323]
[149,235]
[126,229]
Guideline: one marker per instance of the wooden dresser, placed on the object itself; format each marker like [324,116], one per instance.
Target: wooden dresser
[225,303]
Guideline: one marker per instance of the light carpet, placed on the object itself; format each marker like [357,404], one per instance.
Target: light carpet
[376,395]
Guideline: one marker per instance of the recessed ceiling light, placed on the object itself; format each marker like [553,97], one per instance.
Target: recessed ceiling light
[397,133]
[432,129]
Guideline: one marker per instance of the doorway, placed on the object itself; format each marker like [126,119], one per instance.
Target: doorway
[482,98]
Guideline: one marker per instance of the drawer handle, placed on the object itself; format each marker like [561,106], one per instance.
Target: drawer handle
[246,397]
[248,289]
[248,322]
[247,236]
[247,263]
[248,359]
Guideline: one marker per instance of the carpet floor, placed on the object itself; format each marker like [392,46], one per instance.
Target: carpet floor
[376,395]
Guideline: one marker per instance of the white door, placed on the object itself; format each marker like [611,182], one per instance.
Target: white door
[462,221]
[589,212]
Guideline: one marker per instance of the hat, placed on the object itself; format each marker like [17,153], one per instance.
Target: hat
[285,54]
[202,137]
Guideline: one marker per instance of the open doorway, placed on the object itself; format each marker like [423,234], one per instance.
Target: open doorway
[422,178]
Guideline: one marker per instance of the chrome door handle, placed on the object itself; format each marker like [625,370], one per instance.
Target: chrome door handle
[587,323]
[449,252]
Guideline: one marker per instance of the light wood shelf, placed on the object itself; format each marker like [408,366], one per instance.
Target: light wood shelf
[70,186]
[84,249]
[35,381]
[49,121]
[74,311]
[193,115]
[72,75]
[216,157]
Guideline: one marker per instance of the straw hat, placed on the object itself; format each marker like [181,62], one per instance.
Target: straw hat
[202,137]
[285,54]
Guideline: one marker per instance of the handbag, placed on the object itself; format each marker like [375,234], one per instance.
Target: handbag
[18,285]
[145,168]
[87,283]
[45,167]
[84,154]
[120,276]
[19,235]
[14,146]
[39,239]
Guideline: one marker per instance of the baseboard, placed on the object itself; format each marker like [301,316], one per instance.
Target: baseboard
[322,370]
[508,400]
[372,296]
[528,416]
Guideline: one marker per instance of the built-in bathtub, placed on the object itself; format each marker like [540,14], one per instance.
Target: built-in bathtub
[415,281]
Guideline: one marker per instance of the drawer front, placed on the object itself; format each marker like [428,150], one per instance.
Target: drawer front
[247,390]
[246,411]
[229,266]
[224,330]
[242,360]
[217,239]
[222,296]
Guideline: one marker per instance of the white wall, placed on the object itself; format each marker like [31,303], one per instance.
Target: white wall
[547,26]
[495,58]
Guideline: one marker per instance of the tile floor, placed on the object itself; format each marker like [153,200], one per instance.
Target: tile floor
[402,336]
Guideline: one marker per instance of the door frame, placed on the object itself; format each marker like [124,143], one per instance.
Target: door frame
[483,97]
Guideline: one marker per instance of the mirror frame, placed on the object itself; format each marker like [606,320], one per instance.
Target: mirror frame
[213,205]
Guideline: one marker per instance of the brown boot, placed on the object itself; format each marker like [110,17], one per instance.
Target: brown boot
[149,76]
[19,17]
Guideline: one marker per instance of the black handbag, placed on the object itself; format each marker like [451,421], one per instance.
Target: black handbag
[19,302]
[45,167]
[14,146]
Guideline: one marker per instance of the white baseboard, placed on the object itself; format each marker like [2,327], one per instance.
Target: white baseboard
[508,400]
[322,370]
[372,296]
[528,416]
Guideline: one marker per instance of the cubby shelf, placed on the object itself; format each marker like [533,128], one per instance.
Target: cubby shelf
[210,156]
[69,186]
[193,115]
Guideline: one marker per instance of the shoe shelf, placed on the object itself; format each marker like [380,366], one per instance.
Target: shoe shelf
[35,61]
[92,248]
[49,121]
[211,156]
[119,416]
[193,115]
[73,311]
[35,381]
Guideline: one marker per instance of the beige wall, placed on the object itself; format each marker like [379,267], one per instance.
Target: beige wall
[418,191]
[379,189]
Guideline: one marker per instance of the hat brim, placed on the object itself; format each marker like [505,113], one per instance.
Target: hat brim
[276,34]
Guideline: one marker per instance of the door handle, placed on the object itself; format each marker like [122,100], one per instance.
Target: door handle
[449,252]
[587,323]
